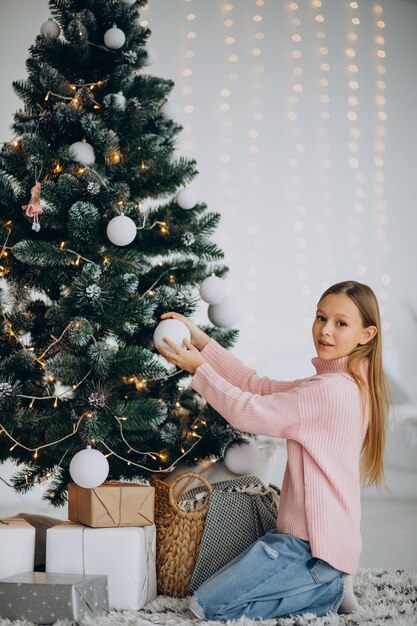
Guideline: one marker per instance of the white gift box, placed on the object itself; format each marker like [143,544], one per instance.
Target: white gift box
[17,547]
[125,555]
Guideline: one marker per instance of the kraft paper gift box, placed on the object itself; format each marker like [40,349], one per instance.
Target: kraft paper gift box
[112,504]
[17,547]
[126,555]
[45,598]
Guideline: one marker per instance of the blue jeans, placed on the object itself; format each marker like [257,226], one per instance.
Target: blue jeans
[275,576]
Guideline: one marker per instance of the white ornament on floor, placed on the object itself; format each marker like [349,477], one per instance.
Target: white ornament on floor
[89,468]
[187,198]
[82,152]
[213,290]
[225,314]
[114,38]
[174,330]
[242,458]
[121,230]
[50,29]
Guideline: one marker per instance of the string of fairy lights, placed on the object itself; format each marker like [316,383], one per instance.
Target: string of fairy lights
[325,210]
[229,82]
[187,72]
[295,161]
[353,145]
[380,204]
[257,36]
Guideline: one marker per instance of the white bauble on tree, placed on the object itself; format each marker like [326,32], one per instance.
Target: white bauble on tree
[89,468]
[224,314]
[128,2]
[186,198]
[82,152]
[174,330]
[50,29]
[169,110]
[121,230]
[114,38]
[242,459]
[213,290]
[151,56]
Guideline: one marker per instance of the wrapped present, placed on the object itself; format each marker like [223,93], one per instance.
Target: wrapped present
[17,547]
[112,504]
[45,598]
[126,555]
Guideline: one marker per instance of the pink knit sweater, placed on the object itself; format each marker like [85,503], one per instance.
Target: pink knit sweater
[321,418]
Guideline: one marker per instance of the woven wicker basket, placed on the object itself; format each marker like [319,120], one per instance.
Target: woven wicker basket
[178,537]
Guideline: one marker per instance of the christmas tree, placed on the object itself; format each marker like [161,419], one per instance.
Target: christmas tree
[100,235]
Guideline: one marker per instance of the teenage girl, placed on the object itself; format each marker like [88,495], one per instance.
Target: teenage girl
[335,425]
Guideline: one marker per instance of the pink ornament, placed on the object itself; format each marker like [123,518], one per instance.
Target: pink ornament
[34,208]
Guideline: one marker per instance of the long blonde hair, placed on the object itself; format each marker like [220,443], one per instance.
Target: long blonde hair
[375,390]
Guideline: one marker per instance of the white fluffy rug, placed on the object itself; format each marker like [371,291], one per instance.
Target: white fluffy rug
[387,598]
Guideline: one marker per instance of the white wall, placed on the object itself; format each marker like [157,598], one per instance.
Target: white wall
[246,155]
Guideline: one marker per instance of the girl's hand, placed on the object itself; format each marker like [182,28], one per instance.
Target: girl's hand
[199,338]
[187,360]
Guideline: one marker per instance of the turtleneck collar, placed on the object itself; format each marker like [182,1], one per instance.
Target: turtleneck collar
[331,366]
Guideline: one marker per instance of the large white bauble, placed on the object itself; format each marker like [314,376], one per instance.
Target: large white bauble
[224,314]
[128,2]
[174,330]
[114,38]
[50,29]
[82,152]
[89,468]
[151,56]
[213,290]
[242,459]
[121,230]
[169,110]
[186,198]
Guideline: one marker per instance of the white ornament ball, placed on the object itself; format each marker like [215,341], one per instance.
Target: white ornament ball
[128,2]
[224,314]
[120,101]
[213,290]
[89,468]
[169,110]
[50,29]
[121,230]
[242,459]
[186,198]
[174,330]
[151,56]
[82,152]
[114,38]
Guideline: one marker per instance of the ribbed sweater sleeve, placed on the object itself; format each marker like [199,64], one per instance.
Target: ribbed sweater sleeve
[275,415]
[236,373]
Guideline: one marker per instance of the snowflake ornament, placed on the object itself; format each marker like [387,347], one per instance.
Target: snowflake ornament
[97,399]
[6,389]
[188,239]
[93,188]
[131,57]
[93,292]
